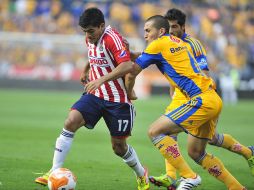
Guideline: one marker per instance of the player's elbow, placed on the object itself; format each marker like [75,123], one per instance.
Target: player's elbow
[130,77]
[128,67]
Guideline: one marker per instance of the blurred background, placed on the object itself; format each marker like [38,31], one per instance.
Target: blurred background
[42,46]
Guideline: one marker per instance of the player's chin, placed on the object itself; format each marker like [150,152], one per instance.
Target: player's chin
[91,41]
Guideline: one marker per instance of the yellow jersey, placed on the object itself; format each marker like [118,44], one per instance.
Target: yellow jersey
[177,64]
[199,53]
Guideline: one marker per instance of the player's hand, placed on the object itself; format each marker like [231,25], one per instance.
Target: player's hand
[132,95]
[92,85]
[84,79]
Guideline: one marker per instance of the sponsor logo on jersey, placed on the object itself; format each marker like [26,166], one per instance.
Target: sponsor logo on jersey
[98,61]
[174,50]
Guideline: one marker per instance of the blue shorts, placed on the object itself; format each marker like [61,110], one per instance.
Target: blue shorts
[118,117]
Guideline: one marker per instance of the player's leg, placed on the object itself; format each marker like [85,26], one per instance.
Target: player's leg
[230,143]
[170,170]
[169,179]
[196,150]
[167,145]
[119,118]
[204,123]
[84,108]
[130,157]
[63,143]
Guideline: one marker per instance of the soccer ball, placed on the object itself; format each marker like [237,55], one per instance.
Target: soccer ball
[62,179]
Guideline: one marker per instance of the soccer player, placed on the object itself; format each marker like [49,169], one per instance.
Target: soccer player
[197,116]
[176,19]
[105,96]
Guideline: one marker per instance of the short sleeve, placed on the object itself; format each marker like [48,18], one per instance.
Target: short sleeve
[116,47]
[151,55]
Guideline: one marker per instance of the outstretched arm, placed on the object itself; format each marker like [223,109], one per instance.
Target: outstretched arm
[134,55]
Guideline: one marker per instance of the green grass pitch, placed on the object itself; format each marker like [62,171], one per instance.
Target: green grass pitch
[30,122]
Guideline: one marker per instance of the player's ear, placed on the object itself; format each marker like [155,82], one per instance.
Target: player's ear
[102,25]
[162,31]
[183,27]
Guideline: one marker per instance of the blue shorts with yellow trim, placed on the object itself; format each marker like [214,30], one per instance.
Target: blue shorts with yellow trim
[199,115]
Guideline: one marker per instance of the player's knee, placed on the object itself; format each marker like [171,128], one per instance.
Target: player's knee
[119,149]
[217,140]
[213,141]
[152,132]
[71,125]
[195,154]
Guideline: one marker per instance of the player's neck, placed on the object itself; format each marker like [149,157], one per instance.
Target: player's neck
[102,33]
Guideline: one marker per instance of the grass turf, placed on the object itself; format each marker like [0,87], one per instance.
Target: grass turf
[30,122]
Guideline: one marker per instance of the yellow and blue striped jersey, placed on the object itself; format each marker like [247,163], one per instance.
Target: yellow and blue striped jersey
[177,64]
[197,50]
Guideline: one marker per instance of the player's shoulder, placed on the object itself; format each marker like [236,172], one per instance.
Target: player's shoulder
[167,38]
[189,39]
[112,34]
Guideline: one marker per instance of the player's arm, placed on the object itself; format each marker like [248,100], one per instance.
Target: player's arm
[200,56]
[121,70]
[171,90]
[134,55]
[130,81]
[148,57]
[84,77]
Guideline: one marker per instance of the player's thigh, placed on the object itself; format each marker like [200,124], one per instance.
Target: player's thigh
[90,108]
[119,118]
[197,116]
[163,125]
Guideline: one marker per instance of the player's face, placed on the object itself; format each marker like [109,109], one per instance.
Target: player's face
[150,33]
[93,34]
[175,29]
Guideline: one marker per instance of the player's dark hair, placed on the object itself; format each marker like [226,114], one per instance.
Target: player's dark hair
[176,14]
[159,22]
[91,17]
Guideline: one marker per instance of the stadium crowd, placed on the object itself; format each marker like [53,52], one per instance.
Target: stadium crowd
[226,28]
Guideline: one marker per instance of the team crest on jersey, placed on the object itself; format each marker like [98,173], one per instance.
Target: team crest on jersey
[123,53]
[174,39]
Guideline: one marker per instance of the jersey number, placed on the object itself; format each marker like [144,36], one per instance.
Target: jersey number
[123,124]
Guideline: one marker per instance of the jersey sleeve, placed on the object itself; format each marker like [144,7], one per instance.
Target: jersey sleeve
[201,57]
[114,43]
[151,55]
[199,52]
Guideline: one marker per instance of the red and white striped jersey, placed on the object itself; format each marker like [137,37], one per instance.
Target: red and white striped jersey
[103,58]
